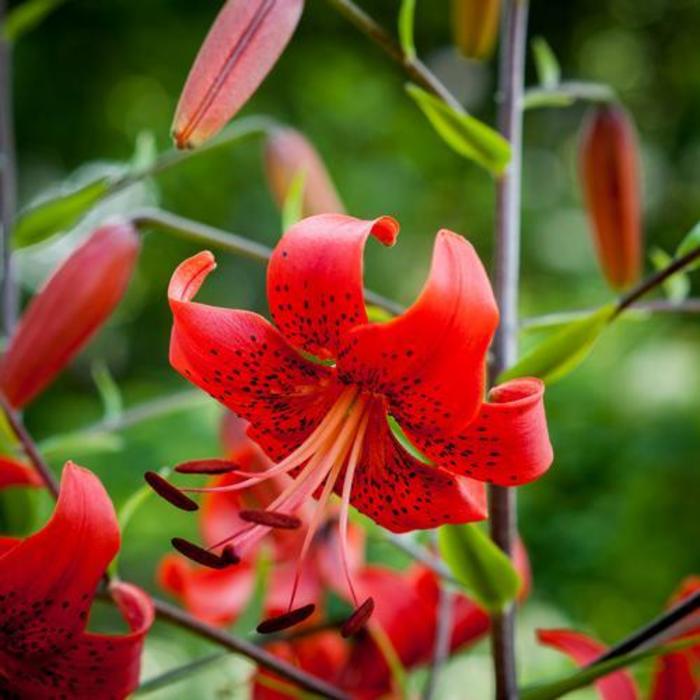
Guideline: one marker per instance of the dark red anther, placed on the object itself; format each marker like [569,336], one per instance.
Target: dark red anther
[202,556]
[229,555]
[358,619]
[169,492]
[283,622]
[206,466]
[271,518]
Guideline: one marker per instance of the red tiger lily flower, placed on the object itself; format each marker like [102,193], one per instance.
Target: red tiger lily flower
[408,616]
[47,584]
[218,596]
[244,43]
[15,473]
[676,675]
[325,420]
[76,300]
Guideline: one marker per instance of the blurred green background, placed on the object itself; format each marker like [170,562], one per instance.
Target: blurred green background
[614,526]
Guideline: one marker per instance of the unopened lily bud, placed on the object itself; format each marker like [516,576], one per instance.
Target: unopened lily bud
[75,301]
[475,26]
[289,154]
[610,180]
[241,48]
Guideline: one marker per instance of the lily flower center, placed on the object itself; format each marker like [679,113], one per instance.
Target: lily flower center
[332,450]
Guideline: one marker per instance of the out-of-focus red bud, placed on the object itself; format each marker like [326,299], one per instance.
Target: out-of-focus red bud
[288,153]
[241,48]
[475,26]
[610,180]
[73,304]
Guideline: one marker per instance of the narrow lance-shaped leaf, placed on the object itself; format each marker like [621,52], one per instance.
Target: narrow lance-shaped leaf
[562,351]
[463,133]
[406,21]
[61,212]
[690,243]
[26,16]
[484,571]
[243,44]
[677,286]
[546,63]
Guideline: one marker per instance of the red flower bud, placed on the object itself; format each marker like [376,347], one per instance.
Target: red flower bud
[73,304]
[475,26]
[241,48]
[288,153]
[610,180]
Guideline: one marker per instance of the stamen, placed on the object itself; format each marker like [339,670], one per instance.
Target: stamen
[271,518]
[358,619]
[287,620]
[203,556]
[206,466]
[169,492]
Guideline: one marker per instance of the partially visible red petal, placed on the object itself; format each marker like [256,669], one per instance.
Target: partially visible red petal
[430,362]
[244,43]
[75,301]
[289,154]
[401,493]
[314,279]
[243,361]
[16,473]
[674,678]
[508,442]
[51,576]
[7,543]
[582,650]
[238,447]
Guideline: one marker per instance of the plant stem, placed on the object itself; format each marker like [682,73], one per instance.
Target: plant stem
[414,67]
[422,555]
[169,613]
[443,636]
[230,242]
[506,279]
[8,185]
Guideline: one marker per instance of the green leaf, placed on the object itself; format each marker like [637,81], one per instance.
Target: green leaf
[677,286]
[108,390]
[484,571]
[589,674]
[26,16]
[254,610]
[463,133]
[58,213]
[548,70]
[293,206]
[690,243]
[564,350]
[406,22]
[81,443]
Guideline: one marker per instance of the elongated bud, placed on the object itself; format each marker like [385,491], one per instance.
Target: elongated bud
[610,181]
[75,301]
[241,48]
[475,26]
[287,154]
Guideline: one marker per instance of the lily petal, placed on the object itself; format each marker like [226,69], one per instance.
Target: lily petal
[582,650]
[16,473]
[243,361]
[314,279]
[430,362]
[508,442]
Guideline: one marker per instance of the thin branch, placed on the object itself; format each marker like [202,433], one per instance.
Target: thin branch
[655,631]
[414,67]
[422,555]
[657,306]
[8,184]
[169,613]
[506,279]
[230,242]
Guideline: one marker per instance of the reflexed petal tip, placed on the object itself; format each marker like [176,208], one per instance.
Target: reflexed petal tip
[76,300]
[243,44]
[189,276]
